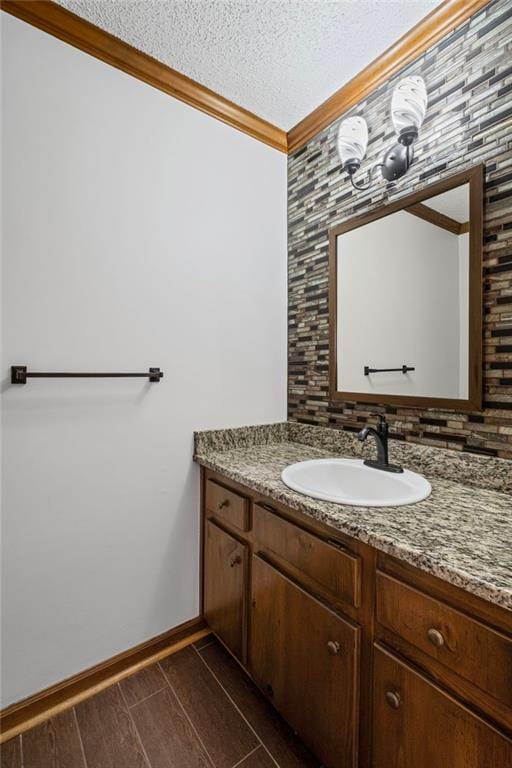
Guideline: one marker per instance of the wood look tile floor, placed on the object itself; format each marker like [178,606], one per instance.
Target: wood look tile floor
[195,709]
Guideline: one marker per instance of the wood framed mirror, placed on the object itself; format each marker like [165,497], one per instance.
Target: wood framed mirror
[405,299]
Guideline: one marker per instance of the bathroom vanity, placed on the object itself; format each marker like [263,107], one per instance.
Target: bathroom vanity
[383,637]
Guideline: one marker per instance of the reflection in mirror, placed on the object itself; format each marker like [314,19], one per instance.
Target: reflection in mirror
[402,282]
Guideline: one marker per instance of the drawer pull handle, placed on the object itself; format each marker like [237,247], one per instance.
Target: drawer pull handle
[333,647]
[435,637]
[224,503]
[236,560]
[393,699]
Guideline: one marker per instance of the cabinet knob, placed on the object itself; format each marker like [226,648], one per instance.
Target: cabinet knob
[236,560]
[333,647]
[224,503]
[393,699]
[435,637]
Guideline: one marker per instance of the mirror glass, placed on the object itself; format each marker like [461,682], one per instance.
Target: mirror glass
[402,290]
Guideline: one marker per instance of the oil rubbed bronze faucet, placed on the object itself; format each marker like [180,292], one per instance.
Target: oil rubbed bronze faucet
[381,438]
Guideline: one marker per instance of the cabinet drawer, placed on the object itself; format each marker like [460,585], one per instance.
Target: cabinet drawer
[225,561]
[418,725]
[306,659]
[471,649]
[227,505]
[333,568]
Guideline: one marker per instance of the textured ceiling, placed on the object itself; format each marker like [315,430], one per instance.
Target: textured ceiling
[278,58]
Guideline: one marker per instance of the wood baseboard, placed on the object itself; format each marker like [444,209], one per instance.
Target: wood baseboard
[33,710]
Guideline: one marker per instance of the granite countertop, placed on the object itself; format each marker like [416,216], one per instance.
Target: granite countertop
[461,533]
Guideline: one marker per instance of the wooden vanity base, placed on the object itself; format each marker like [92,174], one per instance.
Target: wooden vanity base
[374,663]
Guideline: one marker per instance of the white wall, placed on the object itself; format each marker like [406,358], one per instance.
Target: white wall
[463,247]
[399,303]
[137,232]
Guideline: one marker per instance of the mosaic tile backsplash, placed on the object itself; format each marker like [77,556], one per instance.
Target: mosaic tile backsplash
[469,120]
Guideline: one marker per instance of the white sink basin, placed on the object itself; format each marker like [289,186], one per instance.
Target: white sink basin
[350,481]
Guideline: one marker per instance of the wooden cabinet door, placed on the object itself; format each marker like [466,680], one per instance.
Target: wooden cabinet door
[225,587]
[305,657]
[417,725]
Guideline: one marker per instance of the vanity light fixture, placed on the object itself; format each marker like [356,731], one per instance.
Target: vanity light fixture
[408,108]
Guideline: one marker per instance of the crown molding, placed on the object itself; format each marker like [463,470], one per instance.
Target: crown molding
[59,22]
[439,23]
[72,29]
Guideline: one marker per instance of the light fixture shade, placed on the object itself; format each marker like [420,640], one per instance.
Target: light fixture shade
[409,104]
[352,139]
